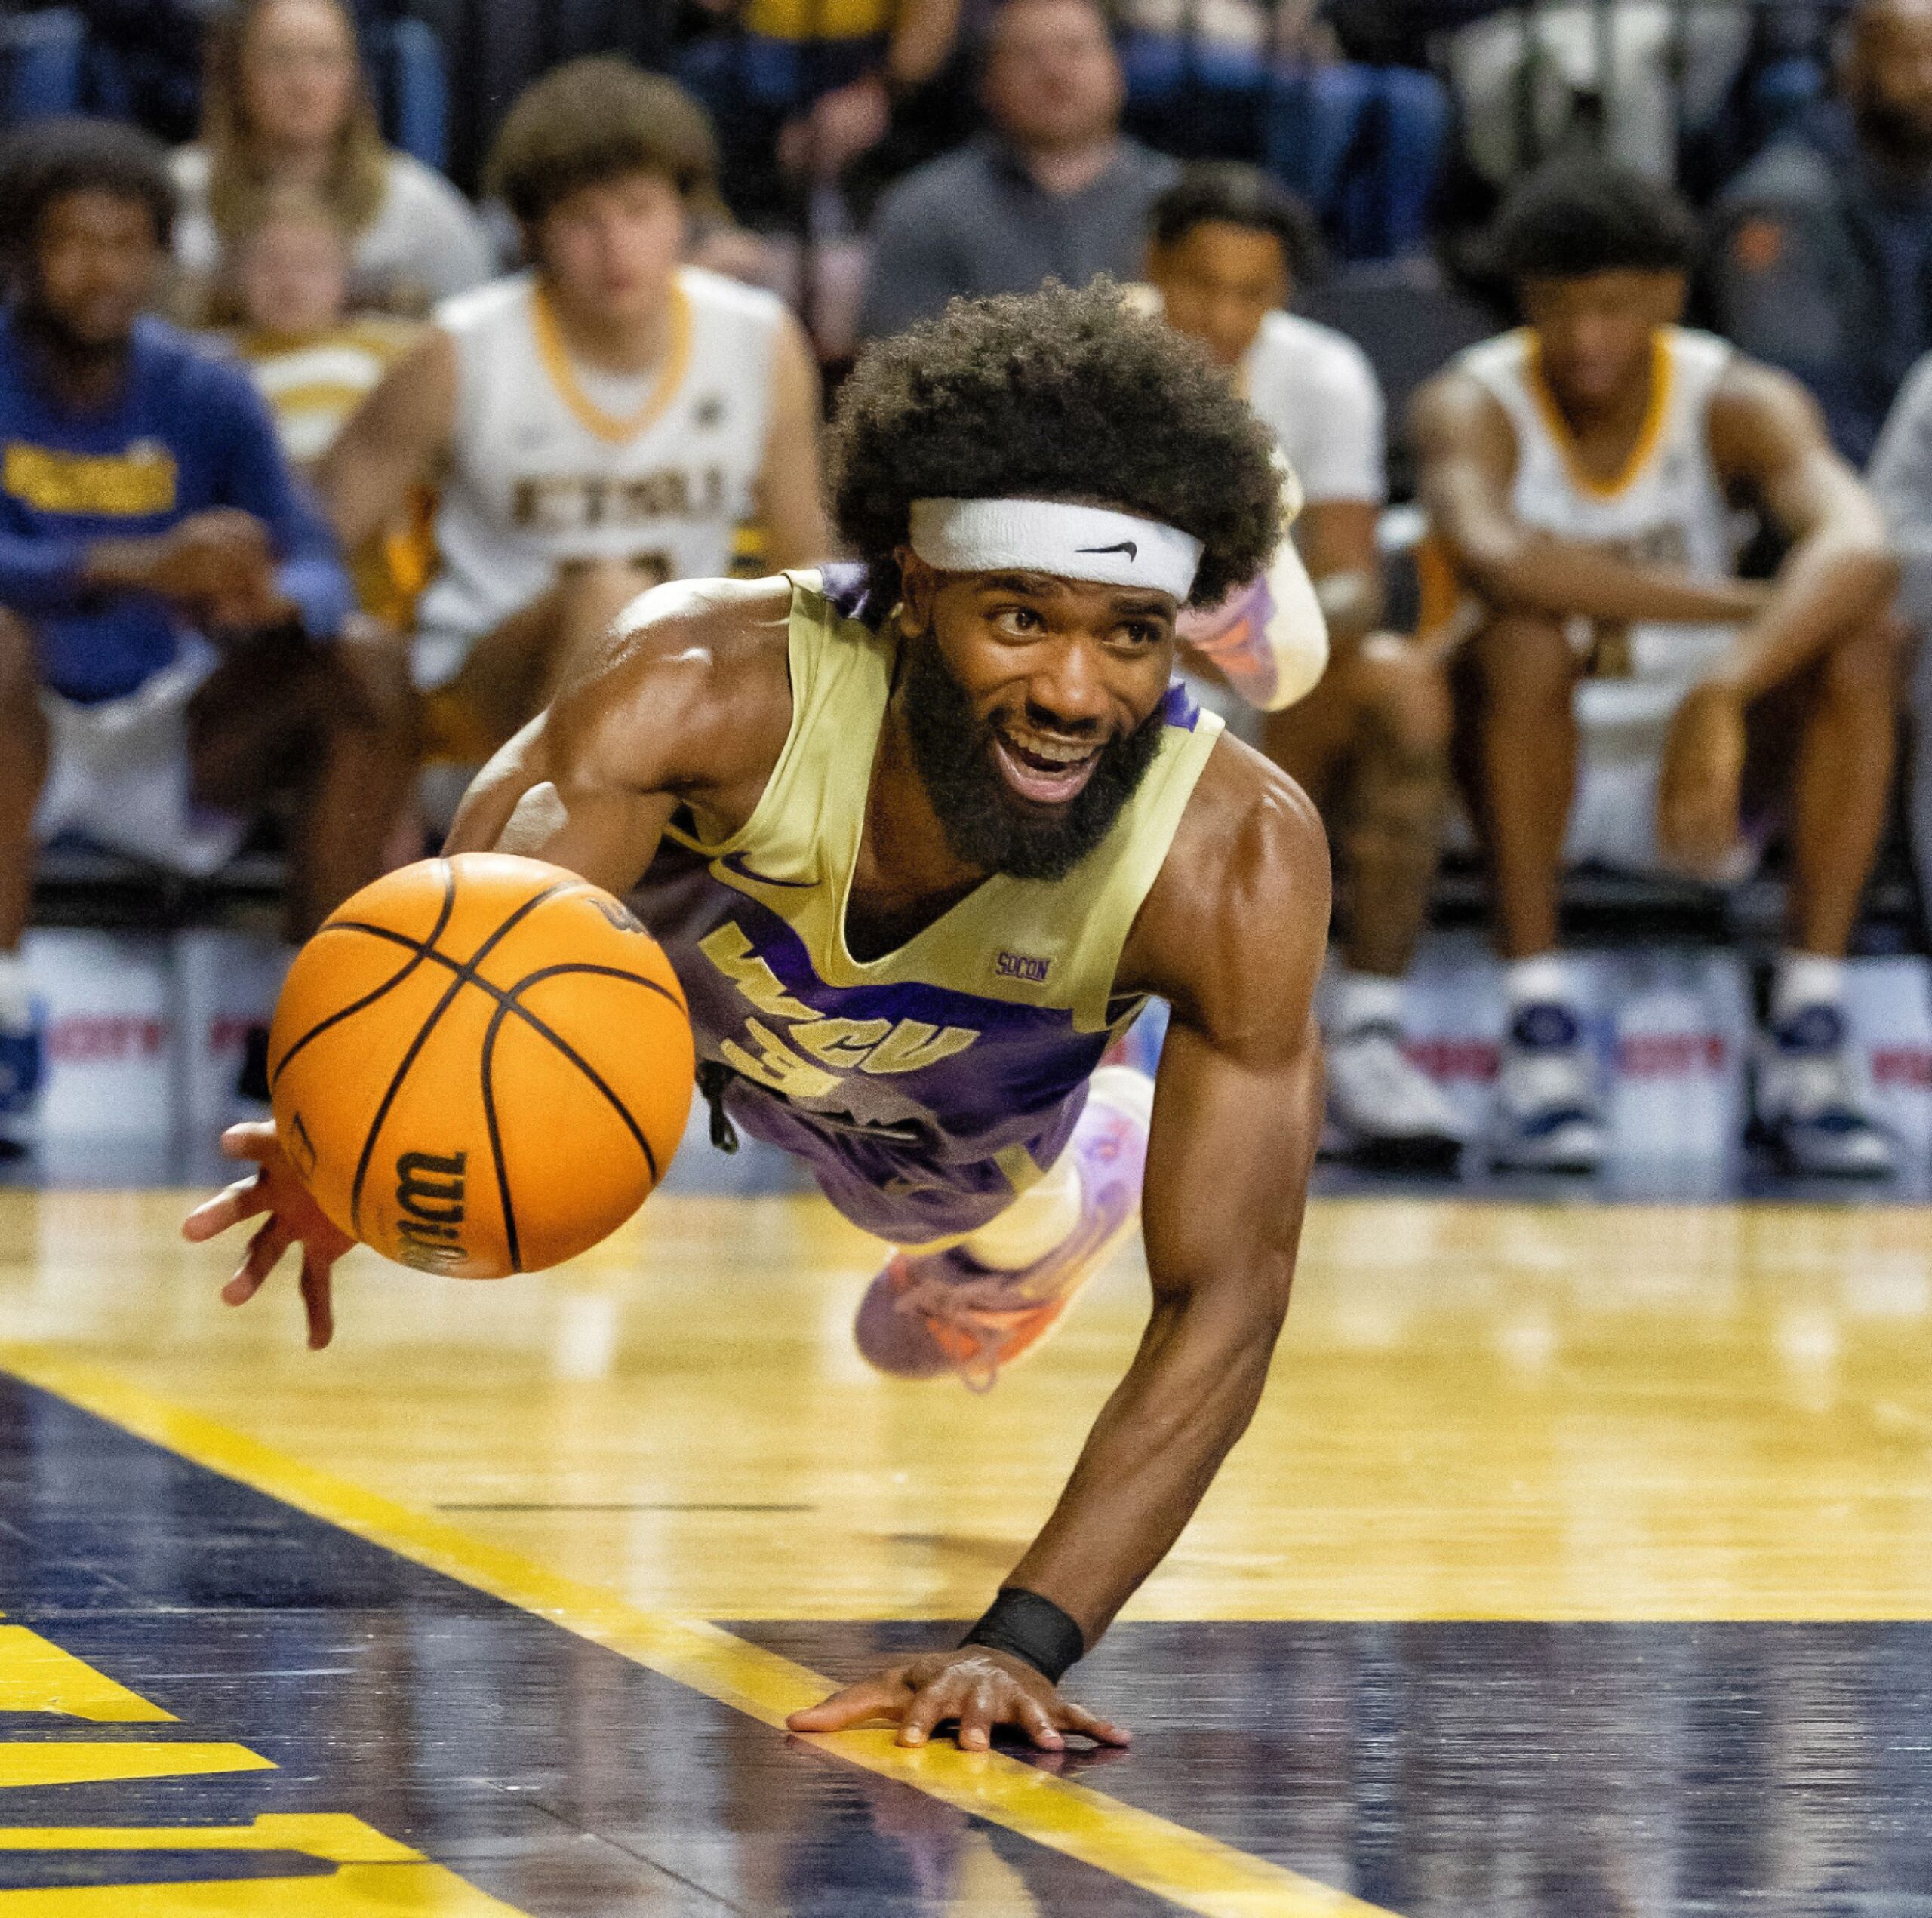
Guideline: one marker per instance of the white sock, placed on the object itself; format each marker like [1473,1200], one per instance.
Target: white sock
[1036,1221]
[16,994]
[1359,999]
[1043,1215]
[1805,979]
[1544,979]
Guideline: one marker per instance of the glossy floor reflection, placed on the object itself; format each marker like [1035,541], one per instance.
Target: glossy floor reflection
[1574,1566]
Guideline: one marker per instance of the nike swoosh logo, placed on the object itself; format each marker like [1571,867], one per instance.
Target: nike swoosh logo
[735,862]
[1126,546]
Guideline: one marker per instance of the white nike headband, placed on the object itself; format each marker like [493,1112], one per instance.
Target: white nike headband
[1048,536]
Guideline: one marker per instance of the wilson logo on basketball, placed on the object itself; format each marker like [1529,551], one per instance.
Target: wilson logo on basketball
[429,1190]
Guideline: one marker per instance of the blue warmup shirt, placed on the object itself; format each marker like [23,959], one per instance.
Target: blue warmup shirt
[188,432]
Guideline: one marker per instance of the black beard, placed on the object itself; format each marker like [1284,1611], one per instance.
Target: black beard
[1897,134]
[68,351]
[986,823]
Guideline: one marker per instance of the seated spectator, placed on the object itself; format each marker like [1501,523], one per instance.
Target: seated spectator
[800,92]
[1370,744]
[314,363]
[1901,481]
[1626,699]
[1052,191]
[1820,251]
[171,651]
[1361,144]
[1364,144]
[598,426]
[286,103]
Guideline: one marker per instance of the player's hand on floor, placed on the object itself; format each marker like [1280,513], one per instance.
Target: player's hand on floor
[983,1689]
[293,1218]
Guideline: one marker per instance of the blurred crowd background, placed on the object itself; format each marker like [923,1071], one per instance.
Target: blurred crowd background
[352,188]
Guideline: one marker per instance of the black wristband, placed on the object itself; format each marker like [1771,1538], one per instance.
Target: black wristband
[1028,1627]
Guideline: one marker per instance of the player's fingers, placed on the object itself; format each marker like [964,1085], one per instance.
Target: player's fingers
[1033,1718]
[1077,1718]
[229,1207]
[264,1253]
[254,1139]
[977,1716]
[244,1285]
[871,1698]
[928,1707]
[318,1300]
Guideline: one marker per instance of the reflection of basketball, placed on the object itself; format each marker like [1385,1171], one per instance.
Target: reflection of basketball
[480,1064]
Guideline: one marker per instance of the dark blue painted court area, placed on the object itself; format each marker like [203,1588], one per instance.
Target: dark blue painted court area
[1469,1771]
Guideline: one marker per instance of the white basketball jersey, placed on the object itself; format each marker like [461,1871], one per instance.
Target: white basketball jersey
[552,461]
[1667,507]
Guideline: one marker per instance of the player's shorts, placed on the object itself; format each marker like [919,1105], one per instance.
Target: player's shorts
[1622,723]
[907,1192]
[118,774]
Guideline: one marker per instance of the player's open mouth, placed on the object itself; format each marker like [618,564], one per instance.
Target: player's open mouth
[1048,771]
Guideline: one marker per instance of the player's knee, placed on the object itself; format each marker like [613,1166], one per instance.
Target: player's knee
[362,684]
[1523,658]
[1867,666]
[1405,696]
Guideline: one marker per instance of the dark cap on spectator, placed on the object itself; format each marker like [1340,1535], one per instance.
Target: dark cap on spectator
[45,159]
[591,120]
[1234,195]
[1573,218]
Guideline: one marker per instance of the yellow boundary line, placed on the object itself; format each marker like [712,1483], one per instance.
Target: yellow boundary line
[1198,1873]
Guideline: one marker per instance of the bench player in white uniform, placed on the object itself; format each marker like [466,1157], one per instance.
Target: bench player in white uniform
[596,426]
[1630,701]
[1369,742]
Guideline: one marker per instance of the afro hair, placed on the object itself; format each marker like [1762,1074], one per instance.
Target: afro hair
[1574,218]
[45,160]
[1053,395]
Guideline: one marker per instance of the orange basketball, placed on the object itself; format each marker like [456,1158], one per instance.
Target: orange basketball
[480,1064]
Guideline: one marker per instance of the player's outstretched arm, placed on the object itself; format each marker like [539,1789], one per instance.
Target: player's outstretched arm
[688,700]
[1233,936]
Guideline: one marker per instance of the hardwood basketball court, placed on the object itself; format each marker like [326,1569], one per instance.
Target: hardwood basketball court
[1577,1563]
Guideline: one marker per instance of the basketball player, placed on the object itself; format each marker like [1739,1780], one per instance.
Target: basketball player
[598,425]
[919,846]
[1629,700]
[1369,742]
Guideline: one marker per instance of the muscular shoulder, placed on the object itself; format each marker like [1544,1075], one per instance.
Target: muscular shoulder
[1760,417]
[1233,931]
[689,693]
[1455,413]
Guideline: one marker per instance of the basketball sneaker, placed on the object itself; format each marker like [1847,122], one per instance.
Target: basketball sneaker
[1806,1103]
[1232,637]
[1548,1109]
[931,1313]
[23,1070]
[1383,1109]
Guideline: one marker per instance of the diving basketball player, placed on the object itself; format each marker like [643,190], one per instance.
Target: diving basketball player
[596,426]
[1628,699]
[919,844]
